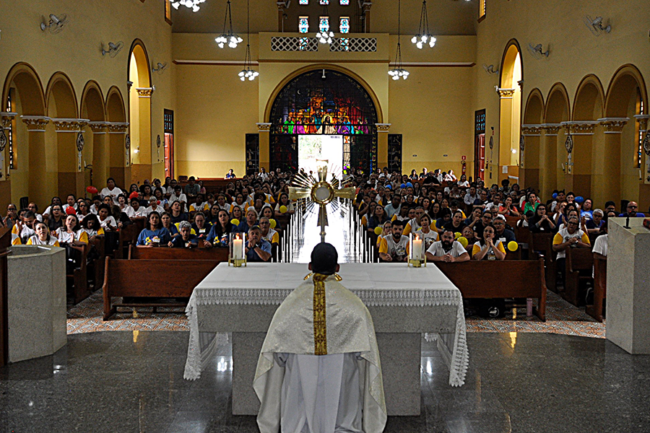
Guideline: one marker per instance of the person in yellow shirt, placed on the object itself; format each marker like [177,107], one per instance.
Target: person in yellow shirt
[395,248]
[487,249]
[42,236]
[24,228]
[268,233]
[569,236]
[414,224]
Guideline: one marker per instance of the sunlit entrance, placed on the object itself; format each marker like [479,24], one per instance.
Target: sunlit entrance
[313,149]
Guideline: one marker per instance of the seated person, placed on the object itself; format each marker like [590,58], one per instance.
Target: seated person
[487,249]
[154,234]
[24,228]
[595,224]
[468,233]
[186,238]
[632,211]
[541,222]
[569,237]
[42,236]
[486,220]
[267,232]
[414,224]
[502,233]
[91,226]
[257,249]
[200,227]
[447,249]
[456,224]
[167,223]
[176,212]
[394,248]
[220,230]
[250,221]
[430,236]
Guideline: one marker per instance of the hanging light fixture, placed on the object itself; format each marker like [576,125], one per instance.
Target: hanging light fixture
[398,72]
[325,35]
[192,4]
[247,72]
[228,37]
[424,37]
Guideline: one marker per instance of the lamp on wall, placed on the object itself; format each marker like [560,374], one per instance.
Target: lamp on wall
[228,36]
[55,24]
[595,25]
[538,51]
[113,49]
[247,72]
[398,71]
[424,37]
[191,4]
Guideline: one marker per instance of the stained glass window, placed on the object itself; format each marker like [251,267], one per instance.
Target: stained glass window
[304,43]
[9,131]
[345,25]
[303,24]
[344,43]
[303,2]
[324,2]
[324,24]
[345,2]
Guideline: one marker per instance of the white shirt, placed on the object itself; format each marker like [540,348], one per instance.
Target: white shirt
[565,237]
[128,210]
[141,212]
[456,249]
[600,245]
[429,238]
[108,223]
[150,209]
[113,193]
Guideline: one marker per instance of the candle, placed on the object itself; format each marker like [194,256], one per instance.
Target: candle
[416,254]
[238,249]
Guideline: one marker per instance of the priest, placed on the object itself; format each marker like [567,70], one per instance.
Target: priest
[319,368]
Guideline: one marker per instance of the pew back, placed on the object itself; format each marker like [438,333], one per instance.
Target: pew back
[216,255]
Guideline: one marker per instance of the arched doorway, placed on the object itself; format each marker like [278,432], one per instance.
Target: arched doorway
[510,112]
[558,111]
[325,111]
[96,149]
[587,109]
[625,176]
[118,154]
[532,131]
[140,93]
[31,174]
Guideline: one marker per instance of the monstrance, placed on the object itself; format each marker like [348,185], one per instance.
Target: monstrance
[320,192]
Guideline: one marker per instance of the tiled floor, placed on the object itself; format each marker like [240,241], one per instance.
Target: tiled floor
[133,382]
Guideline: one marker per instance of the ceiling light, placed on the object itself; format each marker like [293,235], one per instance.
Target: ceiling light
[190,4]
[398,72]
[228,37]
[247,73]
[424,37]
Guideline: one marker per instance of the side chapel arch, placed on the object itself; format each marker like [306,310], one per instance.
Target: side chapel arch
[532,131]
[512,75]
[558,110]
[140,94]
[96,148]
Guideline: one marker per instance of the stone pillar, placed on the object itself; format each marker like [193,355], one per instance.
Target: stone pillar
[628,286]
[382,145]
[101,155]
[549,160]
[578,164]
[530,156]
[607,170]
[644,187]
[43,178]
[282,6]
[119,161]
[141,166]
[264,129]
[505,133]
[70,160]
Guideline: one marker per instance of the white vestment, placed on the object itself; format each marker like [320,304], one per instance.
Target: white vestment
[334,387]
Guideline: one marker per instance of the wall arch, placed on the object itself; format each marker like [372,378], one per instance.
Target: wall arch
[510,106]
[557,110]
[531,130]
[61,97]
[118,155]
[140,94]
[96,150]
[25,79]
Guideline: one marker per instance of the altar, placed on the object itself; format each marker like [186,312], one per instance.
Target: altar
[405,304]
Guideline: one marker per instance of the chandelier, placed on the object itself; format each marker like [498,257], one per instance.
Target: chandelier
[424,37]
[247,72]
[398,71]
[228,36]
[325,35]
[192,4]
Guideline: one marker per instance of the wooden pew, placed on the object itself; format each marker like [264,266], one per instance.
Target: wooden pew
[129,236]
[216,255]
[600,289]
[79,277]
[579,263]
[485,279]
[151,279]
[543,243]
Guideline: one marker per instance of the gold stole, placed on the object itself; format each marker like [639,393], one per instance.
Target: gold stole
[320,322]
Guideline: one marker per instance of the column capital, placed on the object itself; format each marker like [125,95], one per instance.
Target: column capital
[282,5]
[35,123]
[613,125]
[383,127]
[529,130]
[98,127]
[580,127]
[69,125]
[117,127]
[641,118]
[5,118]
[552,129]
[505,93]
[366,5]
[264,127]
[145,92]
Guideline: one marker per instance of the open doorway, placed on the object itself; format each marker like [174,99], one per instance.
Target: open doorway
[313,149]
[169,143]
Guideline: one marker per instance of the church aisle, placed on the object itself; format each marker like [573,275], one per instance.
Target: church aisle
[125,381]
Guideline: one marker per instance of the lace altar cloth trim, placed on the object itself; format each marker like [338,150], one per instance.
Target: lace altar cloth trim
[453,347]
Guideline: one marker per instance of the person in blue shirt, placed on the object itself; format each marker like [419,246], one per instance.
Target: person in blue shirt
[186,238]
[250,221]
[631,211]
[154,234]
[257,249]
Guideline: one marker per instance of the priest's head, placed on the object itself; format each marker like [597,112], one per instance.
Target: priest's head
[324,259]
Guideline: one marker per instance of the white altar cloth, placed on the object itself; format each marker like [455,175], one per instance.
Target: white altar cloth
[384,285]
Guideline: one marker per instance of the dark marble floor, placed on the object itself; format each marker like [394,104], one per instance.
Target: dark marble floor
[126,382]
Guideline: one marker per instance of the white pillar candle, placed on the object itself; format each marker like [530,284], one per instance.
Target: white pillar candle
[416,254]
[238,249]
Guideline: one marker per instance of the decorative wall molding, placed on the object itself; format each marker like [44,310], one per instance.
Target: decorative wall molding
[117,127]
[5,118]
[339,45]
[552,129]
[264,127]
[643,121]
[69,125]
[580,127]
[613,125]
[288,43]
[354,45]
[144,92]
[383,127]
[529,130]
[98,127]
[35,123]
[506,93]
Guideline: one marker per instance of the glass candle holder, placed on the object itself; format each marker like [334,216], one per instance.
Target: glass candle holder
[417,254]
[237,249]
